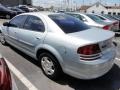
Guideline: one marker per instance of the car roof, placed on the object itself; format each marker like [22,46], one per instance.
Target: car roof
[75,13]
[39,13]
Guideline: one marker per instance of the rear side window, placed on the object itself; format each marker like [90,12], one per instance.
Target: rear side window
[18,21]
[68,23]
[35,24]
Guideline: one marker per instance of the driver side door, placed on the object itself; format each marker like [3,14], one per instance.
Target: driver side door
[15,25]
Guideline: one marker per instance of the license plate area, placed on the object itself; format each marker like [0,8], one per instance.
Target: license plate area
[105,44]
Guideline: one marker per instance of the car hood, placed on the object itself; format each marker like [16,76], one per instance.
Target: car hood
[92,35]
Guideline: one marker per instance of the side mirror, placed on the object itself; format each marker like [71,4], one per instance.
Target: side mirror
[6,24]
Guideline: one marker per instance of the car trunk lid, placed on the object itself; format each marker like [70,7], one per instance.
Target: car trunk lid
[95,36]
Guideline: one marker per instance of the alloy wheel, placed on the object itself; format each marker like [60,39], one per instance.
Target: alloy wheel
[47,65]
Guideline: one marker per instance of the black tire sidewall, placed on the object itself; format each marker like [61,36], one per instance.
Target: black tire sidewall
[4,40]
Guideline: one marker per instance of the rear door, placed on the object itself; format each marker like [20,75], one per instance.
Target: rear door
[32,34]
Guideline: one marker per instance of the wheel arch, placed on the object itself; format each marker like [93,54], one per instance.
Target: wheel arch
[52,51]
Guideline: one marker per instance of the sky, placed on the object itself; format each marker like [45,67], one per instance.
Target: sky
[78,2]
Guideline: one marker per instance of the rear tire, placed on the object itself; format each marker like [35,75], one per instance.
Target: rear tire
[50,66]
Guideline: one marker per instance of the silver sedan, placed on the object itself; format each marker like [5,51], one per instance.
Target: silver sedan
[61,43]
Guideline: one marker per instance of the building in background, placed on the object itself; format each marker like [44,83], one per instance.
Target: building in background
[101,9]
[15,2]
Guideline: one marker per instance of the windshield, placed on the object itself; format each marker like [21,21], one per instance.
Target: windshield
[68,23]
[4,8]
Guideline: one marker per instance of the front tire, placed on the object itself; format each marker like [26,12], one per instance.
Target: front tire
[50,66]
[2,39]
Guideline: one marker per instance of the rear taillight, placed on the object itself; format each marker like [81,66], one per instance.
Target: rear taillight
[89,52]
[5,76]
[106,27]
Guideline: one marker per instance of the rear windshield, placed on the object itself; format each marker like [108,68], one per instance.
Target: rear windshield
[68,23]
[109,17]
[100,17]
[93,17]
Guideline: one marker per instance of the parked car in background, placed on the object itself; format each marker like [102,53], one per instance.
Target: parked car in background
[115,20]
[116,17]
[24,8]
[104,18]
[61,43]
[6,13]
[92,20]
[19,11]
[108,16]
[31,9]
[6,79]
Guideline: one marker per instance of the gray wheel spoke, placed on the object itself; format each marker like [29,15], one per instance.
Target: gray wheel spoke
[47,65]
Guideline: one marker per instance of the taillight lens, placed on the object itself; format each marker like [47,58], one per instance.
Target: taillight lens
[89,52]
[106,27]
[5,77]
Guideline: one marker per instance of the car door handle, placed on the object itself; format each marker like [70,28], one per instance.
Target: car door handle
[38,38]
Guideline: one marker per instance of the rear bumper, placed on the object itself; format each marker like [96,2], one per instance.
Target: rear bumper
[92,69]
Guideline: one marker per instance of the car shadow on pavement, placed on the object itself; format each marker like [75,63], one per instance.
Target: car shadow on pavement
[110,81]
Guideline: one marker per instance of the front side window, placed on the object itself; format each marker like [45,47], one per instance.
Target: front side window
[18,21]
[35,24]
[68,23]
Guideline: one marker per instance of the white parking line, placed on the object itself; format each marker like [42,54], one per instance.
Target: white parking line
[21,77]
